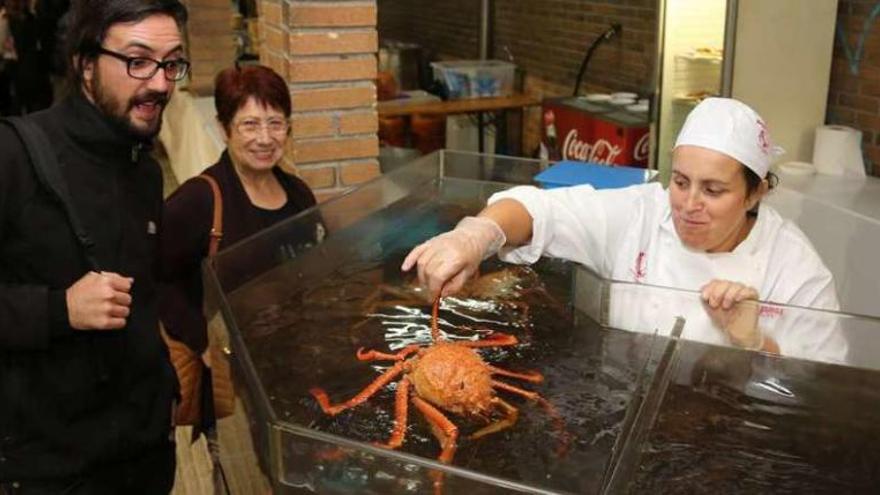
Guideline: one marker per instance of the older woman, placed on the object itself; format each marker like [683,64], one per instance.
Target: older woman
[253,108]
[705,233]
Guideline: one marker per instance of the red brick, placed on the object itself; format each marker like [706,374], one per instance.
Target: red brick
[869,88]
[312,125]
[358,122]
[323,150]
[868,121]
[358,172]
[332,15]
[274,60]
[333,98]
[312,43]
[867,70]
[860,103]
[331,69]
[275,39]
[270,12]
[318,177]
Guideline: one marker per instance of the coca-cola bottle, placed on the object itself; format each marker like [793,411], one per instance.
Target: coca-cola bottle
[550,144]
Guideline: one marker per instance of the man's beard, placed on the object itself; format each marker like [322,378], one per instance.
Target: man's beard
[119,112]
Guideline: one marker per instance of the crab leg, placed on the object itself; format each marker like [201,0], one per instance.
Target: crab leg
[435,331]
[564,436]
[530,376]
[363,355]
[401,409]
[506,422]
[558,422]
[516,390]
[364,394]
[445,431]
[494,340]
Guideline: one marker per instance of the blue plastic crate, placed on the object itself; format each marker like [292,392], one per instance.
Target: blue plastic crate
[572,173]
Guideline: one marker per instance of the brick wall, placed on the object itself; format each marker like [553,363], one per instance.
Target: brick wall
[854,92]
[547,38]
[210,42]
[449,29]
[327,52]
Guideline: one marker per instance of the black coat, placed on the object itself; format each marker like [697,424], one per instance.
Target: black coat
[70,400]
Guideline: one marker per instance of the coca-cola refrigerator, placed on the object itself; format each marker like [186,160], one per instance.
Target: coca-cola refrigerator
[577,129]
[773,55]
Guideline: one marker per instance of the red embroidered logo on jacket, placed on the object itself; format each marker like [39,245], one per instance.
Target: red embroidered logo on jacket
[770,311]
[640,269]
[763,139]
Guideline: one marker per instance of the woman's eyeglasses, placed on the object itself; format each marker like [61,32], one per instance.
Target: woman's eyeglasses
[145,68]
[251,128]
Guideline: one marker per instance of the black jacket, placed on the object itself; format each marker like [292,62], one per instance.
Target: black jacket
[72,400]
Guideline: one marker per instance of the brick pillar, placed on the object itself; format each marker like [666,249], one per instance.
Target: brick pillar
[327,52]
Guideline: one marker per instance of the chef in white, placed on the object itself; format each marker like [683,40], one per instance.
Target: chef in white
[707,232]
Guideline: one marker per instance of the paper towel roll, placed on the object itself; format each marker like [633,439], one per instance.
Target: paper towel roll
[838,151]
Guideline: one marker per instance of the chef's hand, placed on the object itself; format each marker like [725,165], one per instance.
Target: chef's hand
[448,260]
[733,307]
[99,301]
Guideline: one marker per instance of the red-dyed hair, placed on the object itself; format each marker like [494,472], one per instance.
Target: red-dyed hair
[234,86]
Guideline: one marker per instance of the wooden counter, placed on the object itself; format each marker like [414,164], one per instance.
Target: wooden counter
[467,105]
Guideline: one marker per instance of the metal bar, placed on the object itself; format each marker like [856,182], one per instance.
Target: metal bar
[486,29]
[729,48]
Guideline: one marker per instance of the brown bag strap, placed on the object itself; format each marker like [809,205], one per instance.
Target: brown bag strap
[217,223]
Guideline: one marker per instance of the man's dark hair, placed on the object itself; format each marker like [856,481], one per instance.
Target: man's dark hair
[91,19]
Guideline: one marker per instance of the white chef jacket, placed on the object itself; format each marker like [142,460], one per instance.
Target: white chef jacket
[628,235]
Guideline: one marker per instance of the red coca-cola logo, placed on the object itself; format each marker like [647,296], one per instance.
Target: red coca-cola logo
[601,151]
[643,148]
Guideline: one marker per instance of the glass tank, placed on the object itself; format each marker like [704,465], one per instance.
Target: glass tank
[598,386]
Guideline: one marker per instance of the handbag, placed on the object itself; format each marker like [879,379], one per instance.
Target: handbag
[189,366]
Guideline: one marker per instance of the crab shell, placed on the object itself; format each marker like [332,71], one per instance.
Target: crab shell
[454,378]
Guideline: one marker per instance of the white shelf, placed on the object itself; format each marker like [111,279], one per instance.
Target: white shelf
[702,59]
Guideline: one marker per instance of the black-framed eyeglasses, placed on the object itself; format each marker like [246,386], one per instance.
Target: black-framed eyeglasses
[145,68]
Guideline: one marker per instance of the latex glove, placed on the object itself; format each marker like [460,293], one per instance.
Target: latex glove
[733,307]
[99,301]
[448,260]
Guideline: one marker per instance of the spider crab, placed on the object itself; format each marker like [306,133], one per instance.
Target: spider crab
[445,376]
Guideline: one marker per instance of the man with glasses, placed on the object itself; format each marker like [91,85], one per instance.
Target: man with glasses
[86,388]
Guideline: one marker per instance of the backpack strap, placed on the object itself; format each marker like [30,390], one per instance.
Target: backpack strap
[217,222]
[48,170]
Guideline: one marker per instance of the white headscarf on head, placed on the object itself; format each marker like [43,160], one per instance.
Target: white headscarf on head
[730,127]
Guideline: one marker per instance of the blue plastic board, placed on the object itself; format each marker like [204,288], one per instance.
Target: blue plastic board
[571,173]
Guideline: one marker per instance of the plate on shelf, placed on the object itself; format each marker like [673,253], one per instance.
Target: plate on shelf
[597,97]
[624,95]
[638,108]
